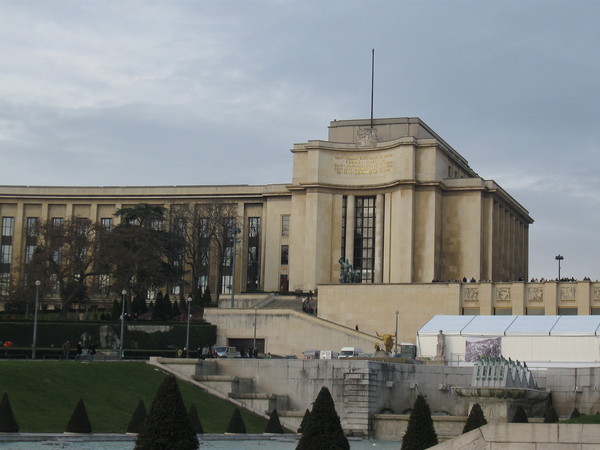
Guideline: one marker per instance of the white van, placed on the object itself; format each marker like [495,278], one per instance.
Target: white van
[226,352]
[328,354]
[349,352]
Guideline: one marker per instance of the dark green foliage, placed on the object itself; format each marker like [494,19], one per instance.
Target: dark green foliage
[575,413]
[8,423]
[520,415]
[115,313]
[305,421]
[550,416]
[79,421]
[167,426]
[167,307]
[236,423]
[274,425]
[158,310]
[206,299]
[139,415]
[324,430]
[175,311]
[475,420]
[420,432]
[195,420]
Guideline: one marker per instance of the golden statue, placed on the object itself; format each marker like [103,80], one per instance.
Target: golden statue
[388,341]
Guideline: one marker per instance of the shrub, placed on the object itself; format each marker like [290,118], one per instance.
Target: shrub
[274,425]
[305,421]
[236,423]
[520,415]
[8,423]
[167,426]
[550,416]
[195,420]
[575,414]
[324,430]
[137,420]
[420,432]
[475,420]
[79,421]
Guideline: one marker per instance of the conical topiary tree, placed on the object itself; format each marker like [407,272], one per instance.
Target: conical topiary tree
[420,432]
[195,420]
[79,421]
[304,422]
[8,423]
[274,425]
[575,414]
[324,430]
[520,415]
[550,416]
[167,426]
[139,415]
[475,420]
[236,423]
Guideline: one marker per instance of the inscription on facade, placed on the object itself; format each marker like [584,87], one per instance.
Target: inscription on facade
[471,294]
[363,164]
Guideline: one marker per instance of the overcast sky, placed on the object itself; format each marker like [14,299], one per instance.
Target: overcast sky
[217,92]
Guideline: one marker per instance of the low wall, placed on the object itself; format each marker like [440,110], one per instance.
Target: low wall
[391,427]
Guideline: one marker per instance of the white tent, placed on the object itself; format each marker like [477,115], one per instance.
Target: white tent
[537,340]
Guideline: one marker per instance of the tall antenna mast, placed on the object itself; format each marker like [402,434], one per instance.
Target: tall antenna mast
[372,82]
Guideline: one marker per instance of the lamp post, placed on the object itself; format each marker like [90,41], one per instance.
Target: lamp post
[396,339]
[187,336]
[559,258]
[236,231]
[123,293]
[37,297]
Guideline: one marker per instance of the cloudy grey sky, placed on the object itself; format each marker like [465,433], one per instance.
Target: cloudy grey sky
[217,92]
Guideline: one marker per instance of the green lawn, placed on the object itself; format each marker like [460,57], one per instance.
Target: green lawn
[43,395]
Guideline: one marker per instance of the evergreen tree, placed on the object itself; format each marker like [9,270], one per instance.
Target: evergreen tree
[324,430]
[195,420]
[420,432]
[167,307]
[175,311]
[236,423]
[139,415]
[8,423]
[167,426]
[206,298]
[79,421]
[520,415]
[575,414]
[475,420]
[550,416]
[158,310]
[116,310]
[274,425]
[304,422]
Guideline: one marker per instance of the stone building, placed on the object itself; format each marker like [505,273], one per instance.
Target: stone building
[389,196]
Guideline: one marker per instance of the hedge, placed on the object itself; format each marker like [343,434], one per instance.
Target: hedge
[54,334]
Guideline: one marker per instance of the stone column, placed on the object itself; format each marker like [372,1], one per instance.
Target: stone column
[350,216]
[379,211]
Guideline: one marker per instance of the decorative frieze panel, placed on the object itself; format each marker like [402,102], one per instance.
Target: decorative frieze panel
[535,294]
[567,292]
[471,294]
[503,294]
[596,293]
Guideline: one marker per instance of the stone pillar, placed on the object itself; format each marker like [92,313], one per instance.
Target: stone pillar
[350,221]
[379,211]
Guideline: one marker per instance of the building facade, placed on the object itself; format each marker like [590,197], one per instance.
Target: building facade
[389,196]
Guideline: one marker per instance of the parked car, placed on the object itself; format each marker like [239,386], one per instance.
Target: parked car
[226,352]
[311,354]
[350,352]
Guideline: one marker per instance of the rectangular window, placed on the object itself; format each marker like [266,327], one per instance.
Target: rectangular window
[226,284]
[179,226]
[29,251]
[536,312]
[107,222]
[595,311]
[8,226]
[364,238]
[82,225]
[4,283]
[32,227]
[502,311]
[252,262]
[285,225]
[5,254]
[567,311]
[284,284]
[284,255]
[104,284]
[470,311]
[344,213]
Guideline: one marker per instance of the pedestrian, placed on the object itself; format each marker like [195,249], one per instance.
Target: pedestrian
[78,351]
[91,352]
[66,348]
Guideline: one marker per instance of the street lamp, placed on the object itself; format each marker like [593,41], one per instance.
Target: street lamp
[559,258]
[187,337]
[236,231]
[123,293]
[37,296]
[396,340]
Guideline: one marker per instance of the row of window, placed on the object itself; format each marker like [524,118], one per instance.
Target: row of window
[537,311]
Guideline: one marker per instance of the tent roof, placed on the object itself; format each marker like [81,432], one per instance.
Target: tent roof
[512,326]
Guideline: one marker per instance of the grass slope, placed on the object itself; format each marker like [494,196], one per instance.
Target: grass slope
[43,395]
